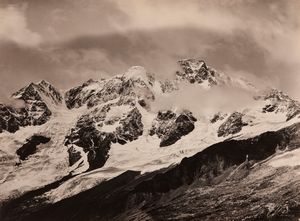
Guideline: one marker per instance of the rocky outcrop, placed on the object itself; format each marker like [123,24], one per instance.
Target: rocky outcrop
[34,113]
[233,124]
[131,127]
[9,119]
[78,96]
[41,91]
[218,117]
[74,155]
[168,86]
[170,127]
[37,100]
[196,71]
[30,146]
[95,143]
[293,110]
[279,102]
[35,97]
[50,92]
[90,134]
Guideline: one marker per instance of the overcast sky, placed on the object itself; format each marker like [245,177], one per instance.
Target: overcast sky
[70,41]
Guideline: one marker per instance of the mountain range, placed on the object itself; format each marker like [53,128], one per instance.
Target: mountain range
[201,145]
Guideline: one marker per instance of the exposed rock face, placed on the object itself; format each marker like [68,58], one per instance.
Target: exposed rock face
[30,146]
[9,119]
[278,102]
[293,110]
[130,127]
[170,127]
[217,117]
[233,124]
[74,155]
[196,71]
[34,97]
[50,92]
[95,143]
[192,71]
[78,96]
[168,86]
[36,111]
[96,132]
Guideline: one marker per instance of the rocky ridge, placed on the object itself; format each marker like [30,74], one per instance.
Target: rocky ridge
[170,127]
[37,100]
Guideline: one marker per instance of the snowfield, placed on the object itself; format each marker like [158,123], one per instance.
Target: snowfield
[48,164]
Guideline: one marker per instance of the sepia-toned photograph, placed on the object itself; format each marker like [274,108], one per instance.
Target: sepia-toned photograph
[150,110]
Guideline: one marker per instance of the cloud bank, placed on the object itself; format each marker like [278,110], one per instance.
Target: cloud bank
[194,98]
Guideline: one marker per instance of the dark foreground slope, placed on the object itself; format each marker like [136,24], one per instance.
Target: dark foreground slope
[226,181]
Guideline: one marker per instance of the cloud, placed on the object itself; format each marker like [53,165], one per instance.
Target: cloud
[13,26]
[158,51]
[203,102]
[155,14]
[16,103]
[273,24]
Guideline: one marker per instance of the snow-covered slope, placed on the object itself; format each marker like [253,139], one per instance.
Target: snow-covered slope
[100,129]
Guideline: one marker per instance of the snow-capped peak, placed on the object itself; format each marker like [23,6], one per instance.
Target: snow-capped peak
[44,83]
[276,94]
[41,91]
[195,71]
[194,64]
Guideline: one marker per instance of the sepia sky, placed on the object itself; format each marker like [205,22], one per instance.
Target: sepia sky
[70,41]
